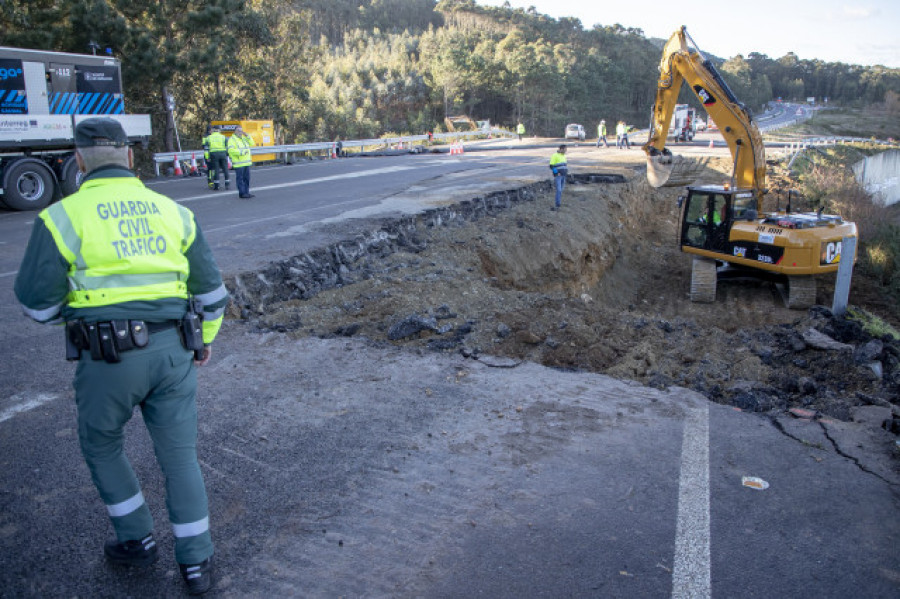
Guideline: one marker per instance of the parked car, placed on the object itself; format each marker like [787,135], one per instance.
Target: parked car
[700,124]
[575,131]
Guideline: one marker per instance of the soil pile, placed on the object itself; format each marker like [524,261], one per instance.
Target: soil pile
[601,285]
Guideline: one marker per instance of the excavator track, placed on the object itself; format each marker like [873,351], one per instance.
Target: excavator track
[703,281]
[801,292]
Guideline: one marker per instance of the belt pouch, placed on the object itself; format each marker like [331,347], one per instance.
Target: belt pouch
[140,334]
[107,342]
[93,339]
[122,335]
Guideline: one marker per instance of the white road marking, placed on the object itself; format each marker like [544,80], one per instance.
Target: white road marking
[276,217]
[691,573]
[39,400]
[7,274]
[353,175]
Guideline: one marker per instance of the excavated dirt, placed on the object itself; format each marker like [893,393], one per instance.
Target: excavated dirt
[600,285]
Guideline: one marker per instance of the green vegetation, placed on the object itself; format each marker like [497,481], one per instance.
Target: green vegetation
[872,324]
[826,180]
[359,68]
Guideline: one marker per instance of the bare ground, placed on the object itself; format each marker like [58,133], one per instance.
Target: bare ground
[600,285]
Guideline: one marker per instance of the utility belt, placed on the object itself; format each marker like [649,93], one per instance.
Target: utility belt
[107,340]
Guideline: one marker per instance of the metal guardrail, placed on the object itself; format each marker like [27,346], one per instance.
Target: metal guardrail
[794,149]
[327,146]
[795,145]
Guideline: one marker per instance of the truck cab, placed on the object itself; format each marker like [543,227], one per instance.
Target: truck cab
[43,96]
[683,125]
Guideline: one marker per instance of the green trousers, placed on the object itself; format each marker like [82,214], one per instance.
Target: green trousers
[162,380]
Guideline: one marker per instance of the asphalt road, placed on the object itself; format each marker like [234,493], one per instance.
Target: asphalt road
[340,468]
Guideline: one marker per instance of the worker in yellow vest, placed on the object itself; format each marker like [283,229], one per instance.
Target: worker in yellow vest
[218,154]
[560,168]
[239,145]
[206,157]
[601,134]
[132,276]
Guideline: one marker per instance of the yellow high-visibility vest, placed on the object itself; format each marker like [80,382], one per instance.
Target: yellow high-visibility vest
[239,151]
[123,244]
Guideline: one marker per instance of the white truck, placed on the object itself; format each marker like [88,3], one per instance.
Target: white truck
[43,95]
[683,124]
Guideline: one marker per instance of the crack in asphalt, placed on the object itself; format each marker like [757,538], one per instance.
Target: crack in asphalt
[834,444]
[856,461]
[781,429]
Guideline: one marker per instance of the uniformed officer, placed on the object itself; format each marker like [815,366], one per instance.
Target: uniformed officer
[218,154]
[120,263]
[206,157]
[239,145]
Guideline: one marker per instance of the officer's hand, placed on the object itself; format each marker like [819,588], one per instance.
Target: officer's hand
[207,353]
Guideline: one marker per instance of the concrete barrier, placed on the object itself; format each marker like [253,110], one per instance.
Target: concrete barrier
[880,175]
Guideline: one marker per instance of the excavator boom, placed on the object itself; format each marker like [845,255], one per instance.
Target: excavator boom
[683,62]
[725,223]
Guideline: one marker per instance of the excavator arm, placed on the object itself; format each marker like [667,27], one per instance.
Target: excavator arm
[683,62]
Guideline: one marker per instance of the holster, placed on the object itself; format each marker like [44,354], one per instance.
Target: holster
[75,339]
[191,330]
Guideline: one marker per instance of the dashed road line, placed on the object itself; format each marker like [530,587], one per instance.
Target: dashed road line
[39,400]
[691,575]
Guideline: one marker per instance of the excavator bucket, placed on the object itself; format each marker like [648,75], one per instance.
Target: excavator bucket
[666,170]
[659,169]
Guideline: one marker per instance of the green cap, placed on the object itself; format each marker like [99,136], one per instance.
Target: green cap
[100,132]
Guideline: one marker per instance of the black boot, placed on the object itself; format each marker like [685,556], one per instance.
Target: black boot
[197,577]
[131,553]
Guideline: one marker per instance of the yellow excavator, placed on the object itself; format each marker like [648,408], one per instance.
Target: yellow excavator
[724,224]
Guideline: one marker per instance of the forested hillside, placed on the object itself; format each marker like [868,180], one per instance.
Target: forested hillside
[363,68]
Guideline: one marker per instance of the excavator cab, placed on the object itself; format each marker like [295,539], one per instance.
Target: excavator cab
[708,215]
[706,218]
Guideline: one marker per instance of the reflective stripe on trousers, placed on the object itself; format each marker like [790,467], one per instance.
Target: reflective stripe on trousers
[162,380]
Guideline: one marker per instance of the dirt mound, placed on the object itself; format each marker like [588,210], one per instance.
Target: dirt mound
[600,285]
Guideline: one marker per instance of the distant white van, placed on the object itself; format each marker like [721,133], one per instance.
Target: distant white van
[575,131]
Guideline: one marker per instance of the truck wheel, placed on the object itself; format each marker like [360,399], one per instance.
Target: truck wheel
[28,184]
[801,292]
[71,176]
[703,281]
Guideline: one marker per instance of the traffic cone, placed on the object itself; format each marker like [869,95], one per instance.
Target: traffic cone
[194,171]
[178,171]
[710,143]
[333,152]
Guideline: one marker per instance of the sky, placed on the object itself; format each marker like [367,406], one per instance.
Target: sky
[852,32]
